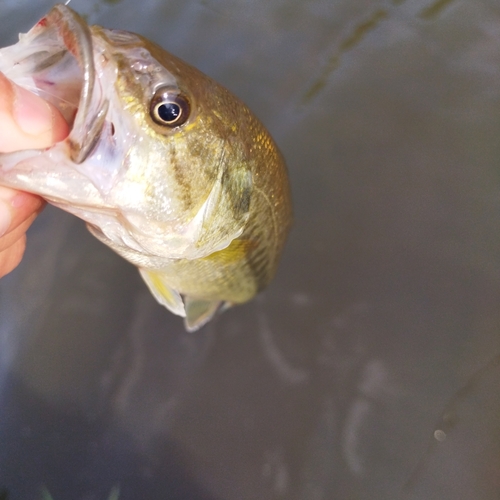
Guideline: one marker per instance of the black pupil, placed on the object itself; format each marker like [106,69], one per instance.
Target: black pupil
[169,111]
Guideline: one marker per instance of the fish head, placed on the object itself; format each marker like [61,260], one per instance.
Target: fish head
[157,159]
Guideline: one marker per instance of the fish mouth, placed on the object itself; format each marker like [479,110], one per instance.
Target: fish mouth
[89,121]
[55,60]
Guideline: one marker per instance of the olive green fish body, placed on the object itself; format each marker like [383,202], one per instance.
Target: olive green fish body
[236,273]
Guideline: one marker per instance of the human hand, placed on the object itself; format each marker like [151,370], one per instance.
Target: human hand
[26,122]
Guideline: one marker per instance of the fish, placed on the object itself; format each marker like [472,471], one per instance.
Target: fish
[166,166]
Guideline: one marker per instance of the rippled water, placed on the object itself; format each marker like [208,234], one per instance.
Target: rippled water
[370,367]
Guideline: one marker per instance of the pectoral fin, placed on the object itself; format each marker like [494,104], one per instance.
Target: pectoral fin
[235,252]
[196,312]
[163,293]
[199,312]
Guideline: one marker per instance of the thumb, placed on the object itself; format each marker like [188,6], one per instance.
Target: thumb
[28,122]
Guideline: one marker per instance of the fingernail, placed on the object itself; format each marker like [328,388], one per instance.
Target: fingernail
[21,198]
[32,113]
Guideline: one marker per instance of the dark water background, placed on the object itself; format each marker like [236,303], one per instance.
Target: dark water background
[370,368]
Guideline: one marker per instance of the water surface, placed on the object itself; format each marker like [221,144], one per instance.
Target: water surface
[370,367]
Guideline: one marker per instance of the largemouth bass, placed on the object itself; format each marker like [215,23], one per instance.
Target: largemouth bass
[166,167]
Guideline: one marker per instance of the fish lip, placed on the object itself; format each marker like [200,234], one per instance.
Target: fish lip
[77,38]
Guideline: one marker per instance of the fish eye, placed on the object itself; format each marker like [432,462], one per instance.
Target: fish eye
[169,107]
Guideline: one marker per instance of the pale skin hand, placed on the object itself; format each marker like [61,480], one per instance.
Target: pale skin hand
[26,122]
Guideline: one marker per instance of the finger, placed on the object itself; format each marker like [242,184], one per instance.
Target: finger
[11,257]
[16,208]
[27,121]
[11,237]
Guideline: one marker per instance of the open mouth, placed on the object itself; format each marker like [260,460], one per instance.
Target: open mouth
[55,60]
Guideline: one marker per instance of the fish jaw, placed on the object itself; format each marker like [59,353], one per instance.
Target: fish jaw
[55,61]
